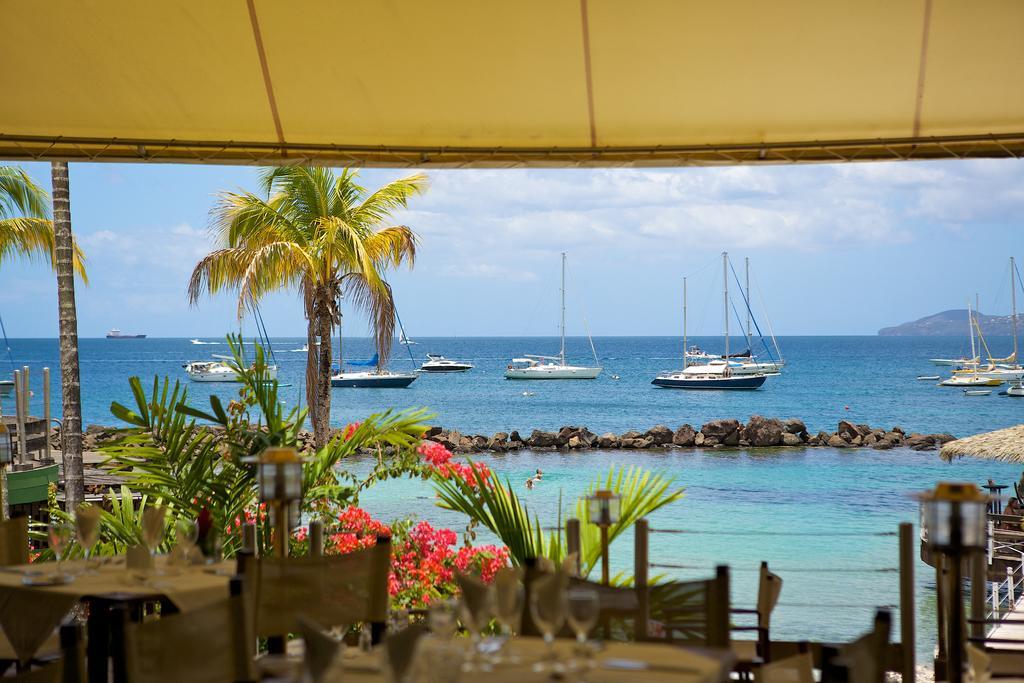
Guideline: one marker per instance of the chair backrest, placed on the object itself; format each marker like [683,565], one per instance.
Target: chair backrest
[865,658]
[335,590]
[694,612]
[979,663]
[213,643]
[69,668]
[14,541]
[796,669]
[769,587]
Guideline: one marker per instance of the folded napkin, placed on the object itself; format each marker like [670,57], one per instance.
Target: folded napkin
[400,650]
[476,596]
[323,658]
[139,558]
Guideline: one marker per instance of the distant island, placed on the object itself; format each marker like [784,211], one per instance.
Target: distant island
[953,323]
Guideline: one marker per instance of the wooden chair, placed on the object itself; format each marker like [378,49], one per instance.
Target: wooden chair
[796,669]
[214,644]
[336,590]
[68,668]
[685,612]
[863,660]
[14,542]
[753,653]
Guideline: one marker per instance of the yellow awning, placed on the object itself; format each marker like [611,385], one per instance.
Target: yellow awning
[529,82]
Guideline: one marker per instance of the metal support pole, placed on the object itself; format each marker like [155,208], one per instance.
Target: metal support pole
[47,456]
[641,566]
[908,630]
[605,578]
[1009,587]
[941,600]
[5,507]
[280,528]
[316,538]
[979,582]
[572,540]
[19,405]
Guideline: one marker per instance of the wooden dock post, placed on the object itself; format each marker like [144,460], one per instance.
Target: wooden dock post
[979,583]
[48,457]
[572,540]
[641,566]
[908,630]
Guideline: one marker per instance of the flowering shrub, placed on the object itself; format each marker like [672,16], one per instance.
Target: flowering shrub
[423,561]
[440,460]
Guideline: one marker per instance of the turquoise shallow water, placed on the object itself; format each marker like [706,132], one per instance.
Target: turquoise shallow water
[742,504]
[742,508]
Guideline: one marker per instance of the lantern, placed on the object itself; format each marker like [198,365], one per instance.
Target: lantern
[280,487]
[603,510]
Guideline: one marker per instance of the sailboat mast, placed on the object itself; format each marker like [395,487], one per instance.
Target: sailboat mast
[970,325]
[1013,303]
[725,280]
[561,353]
[684,323]
[746,268]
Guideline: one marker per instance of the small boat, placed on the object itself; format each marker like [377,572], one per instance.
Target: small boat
[118,334]
[439,364]
[402,339]
[304,349]
[203,343]
[217,371]
[977,392]
[952,361]
[1015,389]
[696,353]
[929,377]
[6,387]
[373,379]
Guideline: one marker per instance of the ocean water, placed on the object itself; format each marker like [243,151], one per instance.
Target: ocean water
[824,519]
[826,379]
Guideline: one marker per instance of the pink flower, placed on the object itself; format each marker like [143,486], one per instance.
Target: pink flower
[434,453]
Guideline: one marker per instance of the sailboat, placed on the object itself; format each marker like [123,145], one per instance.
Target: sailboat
[553,367]
[1008,368]
[377,378]
[405,341]
[971,377]
[717,374]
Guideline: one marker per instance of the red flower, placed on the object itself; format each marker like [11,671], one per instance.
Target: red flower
[434,453]
[350,429]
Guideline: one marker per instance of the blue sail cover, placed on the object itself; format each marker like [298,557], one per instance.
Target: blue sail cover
[365,363]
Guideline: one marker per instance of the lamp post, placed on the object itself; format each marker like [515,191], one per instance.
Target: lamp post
[280,484]
[6,457]
[954,516]
[603,510]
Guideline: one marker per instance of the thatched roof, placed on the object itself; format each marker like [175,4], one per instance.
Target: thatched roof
[1003,444]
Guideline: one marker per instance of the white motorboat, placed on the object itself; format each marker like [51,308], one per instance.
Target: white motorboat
[977,392]
[928,377]
[373,379]
[756,368]
[218,371]
[553,367]
[952,361]
[439,364]
[548,367]
[1015,389]
[697,353]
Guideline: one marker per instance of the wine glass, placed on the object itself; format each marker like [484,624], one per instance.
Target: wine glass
[441,618]
[476,612]
[153,519]
[186,532]
[584,608]
[87,526]
[508,608]
[548,608]
[59,535]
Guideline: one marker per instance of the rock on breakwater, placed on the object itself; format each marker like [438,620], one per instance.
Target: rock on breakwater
[758,432]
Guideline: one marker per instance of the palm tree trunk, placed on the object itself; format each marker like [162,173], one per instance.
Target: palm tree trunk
[71,425]
[322,433]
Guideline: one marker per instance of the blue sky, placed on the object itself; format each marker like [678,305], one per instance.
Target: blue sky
[835,249]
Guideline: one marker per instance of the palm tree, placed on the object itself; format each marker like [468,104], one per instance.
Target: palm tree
[326,235]
[26,231]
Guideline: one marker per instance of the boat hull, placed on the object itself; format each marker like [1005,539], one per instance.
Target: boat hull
[224,375]
[366,380]
[553,373]
[442,370]
[741,383]
[126,336]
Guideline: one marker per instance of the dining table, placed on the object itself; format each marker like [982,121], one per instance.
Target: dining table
[516,662]
[35,599]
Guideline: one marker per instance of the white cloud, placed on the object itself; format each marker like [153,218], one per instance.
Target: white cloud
[489,271]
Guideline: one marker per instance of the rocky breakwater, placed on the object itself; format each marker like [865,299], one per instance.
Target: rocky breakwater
[758,432]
